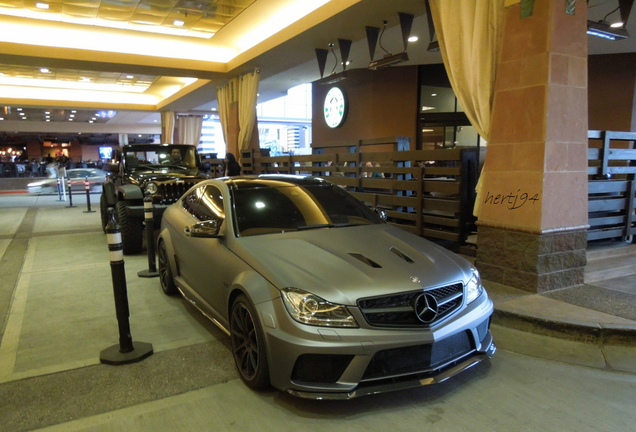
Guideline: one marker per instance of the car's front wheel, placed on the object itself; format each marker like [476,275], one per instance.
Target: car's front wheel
[165,274]
[248,344]
[131,230]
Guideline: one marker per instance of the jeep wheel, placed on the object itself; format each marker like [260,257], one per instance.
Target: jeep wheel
[131,230]
[103,210]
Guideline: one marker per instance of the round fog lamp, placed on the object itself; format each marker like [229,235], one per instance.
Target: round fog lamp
[151,188]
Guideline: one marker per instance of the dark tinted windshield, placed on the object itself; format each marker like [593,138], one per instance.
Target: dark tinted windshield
[166,156]
[290,208]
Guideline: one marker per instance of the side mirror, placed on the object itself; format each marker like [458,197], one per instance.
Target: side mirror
[206,229]
[381,213]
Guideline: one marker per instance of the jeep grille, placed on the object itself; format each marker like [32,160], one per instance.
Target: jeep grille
[167,193]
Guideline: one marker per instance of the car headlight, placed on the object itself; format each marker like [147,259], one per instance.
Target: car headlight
[310,309]
[474,287]
[151,188]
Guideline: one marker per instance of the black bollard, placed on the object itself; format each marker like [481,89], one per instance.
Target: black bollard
[126,351]
[150,239]
[70,193]
[88,197]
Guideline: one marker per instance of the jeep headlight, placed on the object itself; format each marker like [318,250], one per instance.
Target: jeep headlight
[151,188]
[307,308]
[474,287]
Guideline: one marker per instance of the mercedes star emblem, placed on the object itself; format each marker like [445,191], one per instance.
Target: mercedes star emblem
[426,308]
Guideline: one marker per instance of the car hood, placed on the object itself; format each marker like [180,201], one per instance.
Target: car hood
[342,265]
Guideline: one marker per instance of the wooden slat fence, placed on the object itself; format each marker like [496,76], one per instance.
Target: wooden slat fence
[434,199]
[611,185]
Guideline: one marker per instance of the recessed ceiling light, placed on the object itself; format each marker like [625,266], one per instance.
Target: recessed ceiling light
[130,76]
[85,79]
[47,112]
[23,118]
[22,113]
[41,5]
[73,111]
[72,115]
[178,23]
[70,119]
[433,94]
[94,118]
[1,118]
[44,70]
[213,109]
[90,121]
[48,119]
[413,39]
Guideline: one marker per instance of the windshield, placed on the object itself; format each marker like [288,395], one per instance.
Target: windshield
[160,157]
[266,210]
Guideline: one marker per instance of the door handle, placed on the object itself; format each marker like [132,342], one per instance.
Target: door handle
[186,231]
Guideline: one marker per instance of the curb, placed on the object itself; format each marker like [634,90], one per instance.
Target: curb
[591,333]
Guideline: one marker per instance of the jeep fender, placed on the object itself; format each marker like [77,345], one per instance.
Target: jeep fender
[109,192]
[131,192]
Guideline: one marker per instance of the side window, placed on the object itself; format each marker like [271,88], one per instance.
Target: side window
[211,204]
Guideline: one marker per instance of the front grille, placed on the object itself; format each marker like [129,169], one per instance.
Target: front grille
[418,358]
[167,193]
[397,310]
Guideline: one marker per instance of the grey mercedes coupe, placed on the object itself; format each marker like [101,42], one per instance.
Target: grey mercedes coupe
[320,297]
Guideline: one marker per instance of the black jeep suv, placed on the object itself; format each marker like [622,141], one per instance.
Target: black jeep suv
[165,171]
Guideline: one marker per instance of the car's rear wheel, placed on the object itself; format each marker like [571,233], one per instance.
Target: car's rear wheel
[248,344]
[131,230]
[103,210]
[165,273]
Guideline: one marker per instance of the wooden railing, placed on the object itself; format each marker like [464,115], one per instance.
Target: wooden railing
[427,192]
[611,186]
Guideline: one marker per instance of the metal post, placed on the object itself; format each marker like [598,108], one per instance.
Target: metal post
[150,239]
[126,351]
[88,196]
[70,193]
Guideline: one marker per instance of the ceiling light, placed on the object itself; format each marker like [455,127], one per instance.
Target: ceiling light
[70,119]
[617,24]
[93,118]
[602,29]
[73,111]
[85,79]
[413,39]
[21,113]
[47,112]
[178,23]
[19,109]
[41,5]
[130,76]
[48,119]
[44,70]
[433,94]
[1,118]
[90,121]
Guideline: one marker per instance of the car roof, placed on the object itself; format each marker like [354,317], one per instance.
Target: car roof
[273,180]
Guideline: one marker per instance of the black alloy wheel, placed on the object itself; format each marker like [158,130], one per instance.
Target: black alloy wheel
[165,273]
[248,344]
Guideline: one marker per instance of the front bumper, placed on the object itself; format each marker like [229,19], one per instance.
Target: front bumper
[369,360]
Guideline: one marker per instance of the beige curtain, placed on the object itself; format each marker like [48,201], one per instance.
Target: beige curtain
[223,96]
[469,34]
[190,129]
[167,126]
[248,90]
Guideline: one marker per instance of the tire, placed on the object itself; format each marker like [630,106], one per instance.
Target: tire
[248,344]
[165,273]
[103,210]
[131,230]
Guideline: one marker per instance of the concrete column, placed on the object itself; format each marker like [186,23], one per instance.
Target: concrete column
[533,223]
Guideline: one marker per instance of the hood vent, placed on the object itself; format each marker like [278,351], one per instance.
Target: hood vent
[401,254]
[365,260]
